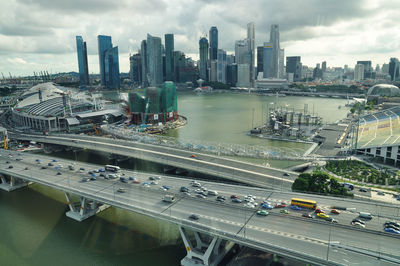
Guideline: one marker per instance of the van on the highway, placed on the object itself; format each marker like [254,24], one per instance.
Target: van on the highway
[212,193]
[168,198]
[365,215]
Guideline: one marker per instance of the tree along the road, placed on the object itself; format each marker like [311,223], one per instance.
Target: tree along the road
[319,182]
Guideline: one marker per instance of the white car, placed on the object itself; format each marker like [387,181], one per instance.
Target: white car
[357,224]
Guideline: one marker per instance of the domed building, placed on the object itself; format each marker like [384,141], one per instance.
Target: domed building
[384,90]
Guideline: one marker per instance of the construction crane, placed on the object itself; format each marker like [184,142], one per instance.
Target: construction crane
[94,127]
[5,142]
[3,75]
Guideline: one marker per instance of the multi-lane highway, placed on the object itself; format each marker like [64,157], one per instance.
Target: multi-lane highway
[310,239]
[252,174]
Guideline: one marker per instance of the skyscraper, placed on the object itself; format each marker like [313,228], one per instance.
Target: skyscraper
[293,65]
[203,47]
[243,75]
[154,59]
[82,61]
[111,68]
[367,68]
[213,43]
[169,48]
[260,59]
[394,68]
[274,40]
[251,39]
[359,71]
[242,52]
[135,72]
[221,67]
[104,43]
[145,69]
[268,61]
[323,66]
[281,73]
[231,74]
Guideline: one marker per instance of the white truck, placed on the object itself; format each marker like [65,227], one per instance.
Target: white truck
[365,215]
[168,198]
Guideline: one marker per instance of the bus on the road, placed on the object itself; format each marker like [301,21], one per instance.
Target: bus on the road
[112,168]
[312,204]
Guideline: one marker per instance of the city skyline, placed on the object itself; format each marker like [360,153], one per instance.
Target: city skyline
[339,33]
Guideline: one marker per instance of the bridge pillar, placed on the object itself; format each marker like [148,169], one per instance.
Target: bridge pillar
[208,251]
[83,209]
[11,183]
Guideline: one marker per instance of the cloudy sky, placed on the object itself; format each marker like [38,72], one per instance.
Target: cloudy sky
[40,34]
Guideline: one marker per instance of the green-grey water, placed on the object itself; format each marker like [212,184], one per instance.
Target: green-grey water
[35,231]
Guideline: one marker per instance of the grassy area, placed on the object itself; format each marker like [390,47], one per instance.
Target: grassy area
[361,172]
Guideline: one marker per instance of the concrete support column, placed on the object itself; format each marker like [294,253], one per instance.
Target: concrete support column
[12,183]
[87,208]
[206,252]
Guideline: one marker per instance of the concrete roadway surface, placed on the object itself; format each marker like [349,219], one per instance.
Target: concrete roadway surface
[312,236]
[231,169]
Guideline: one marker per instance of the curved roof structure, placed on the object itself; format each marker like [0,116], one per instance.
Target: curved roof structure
[385,90]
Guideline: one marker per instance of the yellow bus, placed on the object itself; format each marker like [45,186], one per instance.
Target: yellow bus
[312,204]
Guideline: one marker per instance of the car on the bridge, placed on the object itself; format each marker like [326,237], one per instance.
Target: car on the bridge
[334,211]
[391,230]
[50,164]
[43,167]
[330,219]
[355,220]
[322,215]
[357,224]
[281,205]
[295,207]
[186,193]
[392,226]
[146,184]
[193,217]
[54,160]
[136,182]
[10,166]
[93,177]
[154,178]
[37,160]
[262,213]
[7,161]
[26,168]
[200,196]
[153,183]
[307,215]
[132,178]
[236,200]
[319,211]
[362,190]
[267,206]
[184,189]
[284,211]
[165,187]
[387,223]
[121,190]
[59,173]
[71,167]
[286,174]
[84,179]
[212,193]
[101,170]
[235,197]
[18,159]
[380,193]
[196,184]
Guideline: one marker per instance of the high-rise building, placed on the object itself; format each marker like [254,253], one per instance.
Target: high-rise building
[251,39]
[377,68]
[260,59]
[169,48]
[221,67]
[323,68]
[294,66]
[213,70]
[367,68]
[274,40]
[230,59]
[385,68]
[203,47]
[111,68]
[213,43]
[394,68]
[242,52]
[359,71]
[135,72]
[268,60]
[104,43]
[154,60]
[281,73]
[243,75]
[145,62]
[82,61]
[231,74]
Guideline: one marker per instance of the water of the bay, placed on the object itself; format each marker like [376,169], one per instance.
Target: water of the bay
[35,231]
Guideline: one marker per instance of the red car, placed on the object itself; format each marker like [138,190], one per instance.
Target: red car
[335,211]
[136,182]
[234,196]
[319,211]
[282,205]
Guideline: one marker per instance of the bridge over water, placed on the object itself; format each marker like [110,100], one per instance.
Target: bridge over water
[220,224]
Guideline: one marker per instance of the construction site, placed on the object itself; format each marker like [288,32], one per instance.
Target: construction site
[289,124]
[157,105]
